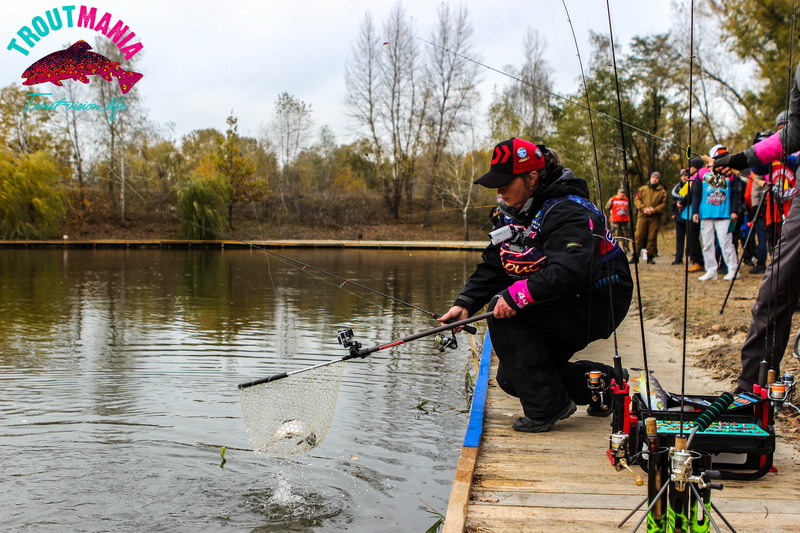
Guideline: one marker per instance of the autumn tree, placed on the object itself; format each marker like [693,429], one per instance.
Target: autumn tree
[764,44]
[31,203]
[235,167]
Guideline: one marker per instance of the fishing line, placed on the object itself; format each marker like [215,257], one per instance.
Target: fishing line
[305,267]
[600,196]
[646,378]
[564,98]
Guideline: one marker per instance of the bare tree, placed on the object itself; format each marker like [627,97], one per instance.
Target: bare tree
[388,102]
[120,120]
[533,95]
[523,108]
[290,132]
[459,172]
[290,127]
[74,124]
[453,90]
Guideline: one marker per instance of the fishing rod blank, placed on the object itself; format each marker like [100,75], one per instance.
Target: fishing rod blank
[346,339]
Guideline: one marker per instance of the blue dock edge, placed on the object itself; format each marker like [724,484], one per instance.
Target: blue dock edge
[475,426]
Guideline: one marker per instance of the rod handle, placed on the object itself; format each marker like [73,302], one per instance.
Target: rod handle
[763,368]
[651,426]
[713,411]
[472,330]
[263,380]
[771,375]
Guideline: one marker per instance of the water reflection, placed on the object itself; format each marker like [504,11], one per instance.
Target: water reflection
[119,373]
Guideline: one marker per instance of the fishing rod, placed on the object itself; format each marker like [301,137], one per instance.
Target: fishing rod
[305,266]
[346,339]
[626,179]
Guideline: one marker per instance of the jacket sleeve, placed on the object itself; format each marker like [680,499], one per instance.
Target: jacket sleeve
[571,245]
[488,279]
[637,200]
[697,193]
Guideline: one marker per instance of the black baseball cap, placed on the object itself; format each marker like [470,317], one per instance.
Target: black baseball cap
[512,158]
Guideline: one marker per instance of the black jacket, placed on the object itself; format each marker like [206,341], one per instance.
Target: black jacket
[571,236]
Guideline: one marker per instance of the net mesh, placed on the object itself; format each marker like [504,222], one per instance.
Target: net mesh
[291,415]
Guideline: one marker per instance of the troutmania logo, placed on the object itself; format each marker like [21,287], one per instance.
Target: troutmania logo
[76,62]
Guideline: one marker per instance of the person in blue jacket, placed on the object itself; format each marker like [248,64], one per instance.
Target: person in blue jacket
[717,205]
[555,279]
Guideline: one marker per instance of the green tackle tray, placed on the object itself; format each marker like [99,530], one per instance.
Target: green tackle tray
[739,445]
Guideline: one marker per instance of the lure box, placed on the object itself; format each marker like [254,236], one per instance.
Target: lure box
[741,441]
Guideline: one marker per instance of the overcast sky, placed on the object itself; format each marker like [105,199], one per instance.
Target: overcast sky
[201,60]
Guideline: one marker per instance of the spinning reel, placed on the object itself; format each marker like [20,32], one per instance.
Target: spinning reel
[781,392]
[442,341]
[716,180]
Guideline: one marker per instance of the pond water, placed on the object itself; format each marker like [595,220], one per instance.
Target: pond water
[118,388]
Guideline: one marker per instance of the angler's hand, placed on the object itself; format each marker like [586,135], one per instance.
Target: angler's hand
[731,161]
[502,309]
[455,314]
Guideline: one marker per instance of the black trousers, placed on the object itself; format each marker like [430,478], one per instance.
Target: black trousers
[680,238]
[693,248]
[775,305]
[536,345]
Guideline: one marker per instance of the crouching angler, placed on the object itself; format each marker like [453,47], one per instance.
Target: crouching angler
[555,279]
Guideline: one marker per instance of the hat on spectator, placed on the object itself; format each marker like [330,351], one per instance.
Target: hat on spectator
[782,119]
[696,163]
[717,150]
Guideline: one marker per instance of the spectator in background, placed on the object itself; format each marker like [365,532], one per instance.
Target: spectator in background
[693,248]
[754,197]
[782,186]
[651,200]
[619,209]
[717,205]
[679,194]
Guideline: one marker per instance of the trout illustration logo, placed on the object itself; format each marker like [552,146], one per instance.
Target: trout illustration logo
[77,63]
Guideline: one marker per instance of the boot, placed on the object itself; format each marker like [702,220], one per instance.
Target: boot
[540,425]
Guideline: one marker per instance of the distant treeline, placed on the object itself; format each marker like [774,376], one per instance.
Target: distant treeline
[422,139]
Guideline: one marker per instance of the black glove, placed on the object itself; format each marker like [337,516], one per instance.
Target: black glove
[735,161]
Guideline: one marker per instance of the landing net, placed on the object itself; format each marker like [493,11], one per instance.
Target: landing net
[291,415]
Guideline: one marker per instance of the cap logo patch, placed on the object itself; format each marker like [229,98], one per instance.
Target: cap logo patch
[538,153]
[522,152]
[499,156]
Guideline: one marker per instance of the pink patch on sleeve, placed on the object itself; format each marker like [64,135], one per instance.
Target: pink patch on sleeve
[520,294]
[770,148]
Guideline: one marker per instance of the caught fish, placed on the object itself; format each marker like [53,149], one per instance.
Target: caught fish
[296,429]
[77,63]
[649,389]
